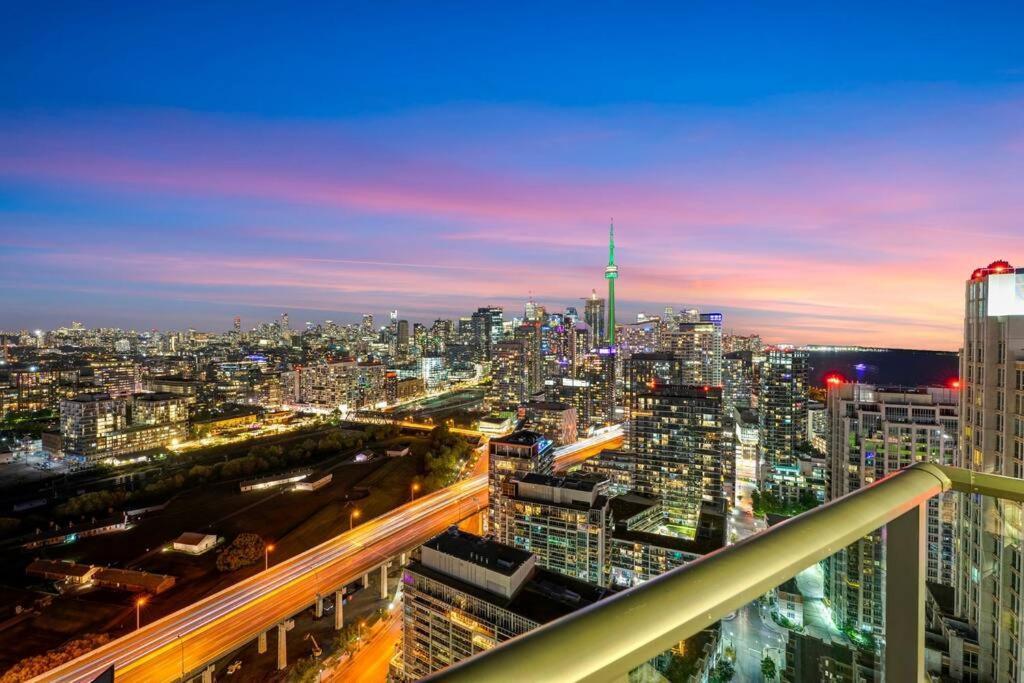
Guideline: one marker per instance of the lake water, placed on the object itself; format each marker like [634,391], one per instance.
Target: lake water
[894,367]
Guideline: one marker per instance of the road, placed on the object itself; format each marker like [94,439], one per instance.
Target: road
[750,632]
[752,637]
[370,663]
[181,643]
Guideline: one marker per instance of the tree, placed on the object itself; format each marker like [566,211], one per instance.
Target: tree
[38,665]
[679,668]
[306,670]
[724,671]
[349,639]
[768,668]
[245,550]
[808,500]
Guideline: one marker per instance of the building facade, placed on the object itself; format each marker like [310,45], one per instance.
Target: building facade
[782,408]
[874,432]
[990,559]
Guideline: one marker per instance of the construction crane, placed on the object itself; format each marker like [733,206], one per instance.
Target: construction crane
[317,650]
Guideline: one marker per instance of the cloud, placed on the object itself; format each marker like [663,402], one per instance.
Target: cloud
[838,235]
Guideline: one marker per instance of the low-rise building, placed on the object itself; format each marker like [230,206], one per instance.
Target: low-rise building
[194,543]
[273,480]
[497,424]
[789,602]
[314,482]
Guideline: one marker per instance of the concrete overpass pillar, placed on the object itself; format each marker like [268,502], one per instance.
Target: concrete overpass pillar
[366,580]
[282,643]
[403,558]
[208,674]
[318,609]
[261,643]
[339,607]
[383,582]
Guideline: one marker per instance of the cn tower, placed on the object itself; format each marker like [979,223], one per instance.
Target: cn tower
[611,273]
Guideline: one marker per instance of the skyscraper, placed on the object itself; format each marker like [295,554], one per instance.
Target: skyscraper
[873,432]
[782,407]
[402,337]
[699,344]
[990,558]
[529,335]
[675,433]
[509,375]
[514,455]
[611,273]
[593,316]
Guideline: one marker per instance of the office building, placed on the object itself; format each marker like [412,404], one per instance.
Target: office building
[874,431]
[433,372]
[593,316]
[990,559]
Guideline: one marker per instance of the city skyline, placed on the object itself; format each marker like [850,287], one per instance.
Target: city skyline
[430,171]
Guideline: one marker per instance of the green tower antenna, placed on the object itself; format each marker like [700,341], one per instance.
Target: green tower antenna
[611,273]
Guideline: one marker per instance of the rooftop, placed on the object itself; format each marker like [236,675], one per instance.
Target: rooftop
[629,505]
[483,551]
[192,538]
[544,597]
[91,398]
[523,437]
[547,405]
[157,396]
[575,481]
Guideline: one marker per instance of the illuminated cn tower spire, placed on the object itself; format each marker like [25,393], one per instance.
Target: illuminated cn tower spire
[611,273]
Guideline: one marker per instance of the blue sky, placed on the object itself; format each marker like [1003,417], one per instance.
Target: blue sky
[789,165]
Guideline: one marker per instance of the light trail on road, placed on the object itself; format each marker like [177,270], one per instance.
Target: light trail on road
[183,642]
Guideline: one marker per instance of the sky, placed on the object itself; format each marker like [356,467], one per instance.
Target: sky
[819,174]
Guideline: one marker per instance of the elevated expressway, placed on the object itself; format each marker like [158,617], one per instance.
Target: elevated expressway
[182,644]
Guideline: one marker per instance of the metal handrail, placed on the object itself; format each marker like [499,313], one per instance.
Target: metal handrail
[606,640]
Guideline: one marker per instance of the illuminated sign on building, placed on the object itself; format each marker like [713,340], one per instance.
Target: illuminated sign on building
[1006,294]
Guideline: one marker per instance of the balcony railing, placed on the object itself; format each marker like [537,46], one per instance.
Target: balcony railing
[608,639]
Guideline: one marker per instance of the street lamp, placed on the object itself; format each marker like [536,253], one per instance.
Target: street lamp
[413,489]
[352,516]
[267,549]
[139,602]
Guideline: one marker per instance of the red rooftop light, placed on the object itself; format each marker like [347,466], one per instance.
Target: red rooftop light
[994,267]
[954,384]
[833,379]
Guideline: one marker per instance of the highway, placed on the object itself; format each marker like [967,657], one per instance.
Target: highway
[182,643]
